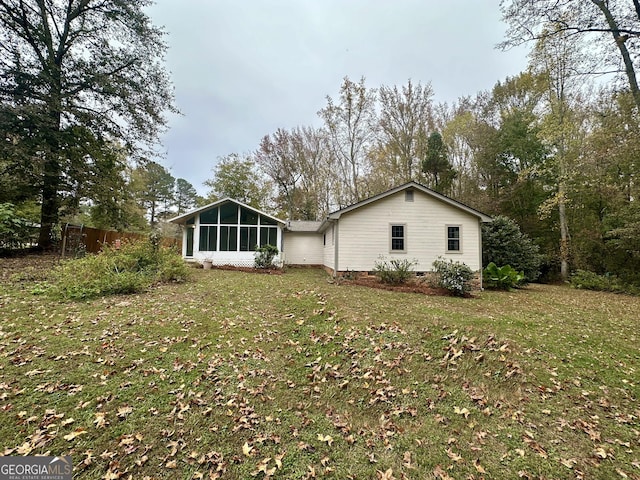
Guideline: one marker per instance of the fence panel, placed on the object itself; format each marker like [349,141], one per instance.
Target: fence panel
[78,239]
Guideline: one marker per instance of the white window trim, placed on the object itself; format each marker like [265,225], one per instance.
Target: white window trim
[446,238]
[404,238]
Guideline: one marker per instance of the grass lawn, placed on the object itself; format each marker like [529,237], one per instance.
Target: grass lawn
[239,375]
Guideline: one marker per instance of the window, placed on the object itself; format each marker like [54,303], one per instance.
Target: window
[267,221]
[231,228]
[208,238]
[228,239]
[408,196]
[398,241]
[210,216]
[190,242]
[453,238]
[268,236]
[248,238]
[248,217]
[229,214]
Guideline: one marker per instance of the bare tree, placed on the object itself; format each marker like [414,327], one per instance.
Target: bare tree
[351,126]
[278,159]
[405,117]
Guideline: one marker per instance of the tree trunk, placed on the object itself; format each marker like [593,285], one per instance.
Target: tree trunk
[52,172]
[624,52]
[564,234]
[50,201]
[153,213]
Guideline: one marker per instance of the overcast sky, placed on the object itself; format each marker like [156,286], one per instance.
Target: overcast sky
[243,68]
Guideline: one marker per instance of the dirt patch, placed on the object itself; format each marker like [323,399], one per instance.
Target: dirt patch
[416,285]
[267,271]
[28,267]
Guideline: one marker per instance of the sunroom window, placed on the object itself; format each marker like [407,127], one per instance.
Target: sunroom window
[248,238]
[208,237]
[232,228]
[228,238]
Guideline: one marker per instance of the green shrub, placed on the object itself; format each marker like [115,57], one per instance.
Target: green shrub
[504,244]
[586,280]
[13,228]
[454,276]
[394,271]
[503,278]
[132,268]
[265,255]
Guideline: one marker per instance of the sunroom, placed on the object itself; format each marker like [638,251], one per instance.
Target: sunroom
[227,232]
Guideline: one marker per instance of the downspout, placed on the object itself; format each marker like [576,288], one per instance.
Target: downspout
[480,251]
[282,243]
[335,249]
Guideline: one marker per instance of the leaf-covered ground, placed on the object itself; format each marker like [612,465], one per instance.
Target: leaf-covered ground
[237,375]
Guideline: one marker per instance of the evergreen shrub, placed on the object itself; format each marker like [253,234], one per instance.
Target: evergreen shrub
[454,276]
[265,255]
[504,244]
[586,280]
[394,271]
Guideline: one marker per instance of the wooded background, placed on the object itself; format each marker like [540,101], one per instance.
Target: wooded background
[555,148]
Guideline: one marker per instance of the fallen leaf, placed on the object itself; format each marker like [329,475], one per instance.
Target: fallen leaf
[246,449]
[388,475]
[462,411]
[600,452]
[326,438]
[101,420]
[76,433]
[406,460]
[568,462]
[438,472]
[621,473]
[453,456]
[123,412]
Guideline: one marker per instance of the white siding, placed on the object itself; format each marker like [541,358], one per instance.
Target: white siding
[328,250]
[303,248]
[364,233]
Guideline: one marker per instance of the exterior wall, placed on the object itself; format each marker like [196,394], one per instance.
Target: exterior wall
[303,248]
[364,233]
[328,252]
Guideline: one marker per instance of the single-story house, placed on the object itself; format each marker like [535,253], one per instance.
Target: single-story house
[407,222]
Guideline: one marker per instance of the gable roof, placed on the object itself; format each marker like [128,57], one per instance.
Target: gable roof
[181,219]
[407,186]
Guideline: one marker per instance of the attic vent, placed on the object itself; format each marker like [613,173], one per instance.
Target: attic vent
[408,196]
